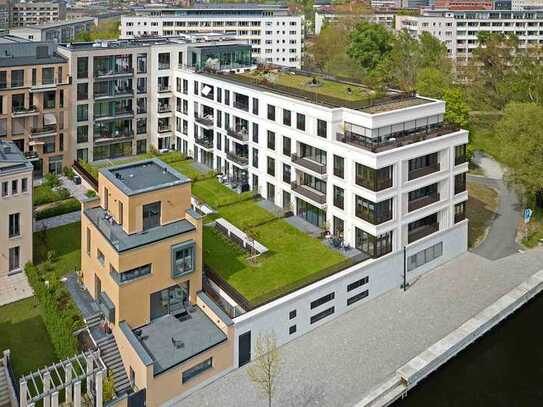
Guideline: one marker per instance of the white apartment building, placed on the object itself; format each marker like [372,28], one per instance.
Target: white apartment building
[276,35]
[463,27]
[520,5]
[323,17]
[37,12]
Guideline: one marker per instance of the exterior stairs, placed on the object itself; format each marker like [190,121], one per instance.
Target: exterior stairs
[4,392]
[112,358]
[94,320]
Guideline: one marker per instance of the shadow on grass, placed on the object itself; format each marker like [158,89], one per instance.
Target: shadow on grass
[480,217]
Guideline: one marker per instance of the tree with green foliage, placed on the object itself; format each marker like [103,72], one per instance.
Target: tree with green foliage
[457,110]
[370,44]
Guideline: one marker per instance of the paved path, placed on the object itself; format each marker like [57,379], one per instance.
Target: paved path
[77,191]
[501,238]
[14,288]
[57,221]
[338,363]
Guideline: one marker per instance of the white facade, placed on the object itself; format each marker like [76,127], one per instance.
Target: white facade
[465,26]
[519,5]
[323,17]
[37,12]
[276,35]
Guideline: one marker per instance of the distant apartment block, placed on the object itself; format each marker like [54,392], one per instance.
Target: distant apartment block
[37,12]
[16,201]
[59,31]
[323,17]
[34,91]
[458,5]
[276,35]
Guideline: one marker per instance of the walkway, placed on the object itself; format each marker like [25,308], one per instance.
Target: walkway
[76,190]
[57,221]
[338,363]
[14,287]
[501,238]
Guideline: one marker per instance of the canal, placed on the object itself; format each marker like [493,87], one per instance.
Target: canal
[503,368]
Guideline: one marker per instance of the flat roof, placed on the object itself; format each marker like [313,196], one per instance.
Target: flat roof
[122,241]
[143,176]
[60,23]
[216,6]
[12,159]
[171,341]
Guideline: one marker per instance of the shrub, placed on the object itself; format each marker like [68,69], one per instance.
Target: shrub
[69,173]
[44,194]
[51,180]
[90,193]
[60,208]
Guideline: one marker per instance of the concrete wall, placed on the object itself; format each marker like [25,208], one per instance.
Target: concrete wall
[385,273]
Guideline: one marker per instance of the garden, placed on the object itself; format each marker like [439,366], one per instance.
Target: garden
[52,199]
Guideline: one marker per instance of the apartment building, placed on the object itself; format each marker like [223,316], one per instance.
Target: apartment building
[58,31]
[276,35]
[323,17]
[141,262]
[34,91]
[16,218]
[37,12]
[460,29]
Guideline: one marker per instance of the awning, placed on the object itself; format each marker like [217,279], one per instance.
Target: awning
[49,118]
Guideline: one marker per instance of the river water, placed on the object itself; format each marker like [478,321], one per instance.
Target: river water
[503,368]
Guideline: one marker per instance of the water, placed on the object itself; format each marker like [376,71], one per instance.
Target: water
[503,368]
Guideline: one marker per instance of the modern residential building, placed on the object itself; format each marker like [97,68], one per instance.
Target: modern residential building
[459,29]
[16,218]
[59,31]
[26,13]
[276,35]
[34,91]
[526,5]
[141,262]
[323,17]
[464,5]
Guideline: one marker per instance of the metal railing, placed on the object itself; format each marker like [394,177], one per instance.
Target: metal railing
[459,217]
[308,192]
[22,110]
[460,160]
[241,106]
[421,172]
[238,159]
[204,120]
[45,129]
[422,202]
[421,232]
[308,163]
[204,142]
[377,185]
[87,176]
[164,88]
[164,108]
[238,134]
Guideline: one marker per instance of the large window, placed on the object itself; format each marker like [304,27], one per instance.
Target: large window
[310,213]
[371,245]
[171,300]
[271,112]
[151,215]
[321,128]
[424,256]
[82,67]
[371,212]
[135,273]
[287,118]
[17,78]
[300,121]
[339,166]
[459,212]
[14,224]
[14,258]
[183,259]
[339,197]
[459,183]
[460,154]
[82,113]
[372,179]
[196,370]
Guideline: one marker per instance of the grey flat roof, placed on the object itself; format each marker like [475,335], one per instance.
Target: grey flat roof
[121,241]
[30,60]
[143,176]
[60,23]
[197,334]
[12,159]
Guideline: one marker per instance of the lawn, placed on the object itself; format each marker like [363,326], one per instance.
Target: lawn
[65,241]
[23,331]
[186,168]
[216,194]
[245,214]
[44,194]
[480,211]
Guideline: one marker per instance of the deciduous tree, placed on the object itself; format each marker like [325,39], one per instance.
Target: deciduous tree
[266,366]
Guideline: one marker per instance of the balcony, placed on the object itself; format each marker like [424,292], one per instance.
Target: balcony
[459,217]
[240,134]
[308,192]
[43,87]
[396,140]
[20,111]
[309,164]
[421,172]
[104,73]
[164,128]
[164,88]
[422,202]
[108,136]
[459,188]
[377,184]
[44,131]
[206,121]
[420,232]
[460,160]
[113,95]
[118,114]
[205,143]
[31,155]
[241,106]
[240,160]
[164,108]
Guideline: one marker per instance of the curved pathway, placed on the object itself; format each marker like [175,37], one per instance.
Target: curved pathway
[501,239]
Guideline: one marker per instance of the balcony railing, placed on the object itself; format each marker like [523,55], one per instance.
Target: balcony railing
[421,232]
[115,94]
[164,109]
[396,140]
[164,129]
[459,217]
[460,160]
[240,134]
[113,114]
[164,88]
[421,172]
[21,110]
[309,192]
[204,142]
[458,188]
[374,185]
[115,134]
[422,202]
[308,163]
[104,72]
[204,120]
[45,129]
[238,159]
[163,65]
[31,155]
[241,105]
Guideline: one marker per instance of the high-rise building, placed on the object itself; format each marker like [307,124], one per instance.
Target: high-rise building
[37,12]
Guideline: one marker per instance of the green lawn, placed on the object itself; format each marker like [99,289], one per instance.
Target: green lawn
[245,214]
[23,331]
[186,168]
[44,194]
[65,241]
[216,194]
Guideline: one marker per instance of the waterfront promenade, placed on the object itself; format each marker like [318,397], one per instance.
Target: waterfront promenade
[337,364]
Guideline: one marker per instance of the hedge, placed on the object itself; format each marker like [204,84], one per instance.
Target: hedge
[60,314]
[44,194]
[60,208]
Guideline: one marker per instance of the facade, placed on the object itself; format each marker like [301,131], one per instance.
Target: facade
[34,91]
[385,18]
[520,5]
[276,36]
[61,31]
[37,12]
[463,27]
[142,263]
[464,5]
[16,218]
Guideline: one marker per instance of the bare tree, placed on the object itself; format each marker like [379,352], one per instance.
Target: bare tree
[266,367]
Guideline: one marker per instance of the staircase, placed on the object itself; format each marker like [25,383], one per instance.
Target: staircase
[94,320]
[4,392]
[112,358]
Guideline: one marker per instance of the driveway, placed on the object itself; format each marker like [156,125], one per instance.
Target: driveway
[501,239]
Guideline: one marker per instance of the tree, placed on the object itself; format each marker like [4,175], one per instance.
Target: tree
[457,110]
[432,82]
[266,367]
[370,44]
[103,31]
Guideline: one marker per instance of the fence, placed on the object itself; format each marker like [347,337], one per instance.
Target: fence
[87,176]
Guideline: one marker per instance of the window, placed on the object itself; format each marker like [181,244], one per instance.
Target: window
[321,315]
[338,197]
[82,68]
[271,140]
[151,215]
[100,257]
[14,225]
[287,119]
[300,121]
[357,297]
[4,189]
[424,256]
[255,106]
[255,157]
[82,91]
[14,258]
[134,273]
[374,213]
[459,183]
[292,329]
[371,245]
[321,128]
[271,112]
[339,166]
[271,166]
[338,227]
[358,283]
[286,146]
[292,314]
[14,187]
[322,300]
[372,179]
[196,370]
[24,185]
[459,212]
[227,97]
[183,259]
[255,132]
[88,241]
[82,134]
[286,173]
[82,113]
[121,213]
